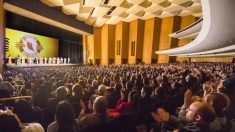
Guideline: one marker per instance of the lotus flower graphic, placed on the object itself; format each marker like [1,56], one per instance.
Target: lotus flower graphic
[29,45]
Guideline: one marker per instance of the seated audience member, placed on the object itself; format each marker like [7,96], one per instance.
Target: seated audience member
[64,119]
[76,100]
[102,90]
[99,114]
[6,88]
[146,101]
[218,102]
[188,100]
[91,102]
[43,94]
[199,116]
[26,112]
[110,98]
[62,93]
[9,122]
[164,122]
[127,106]
[50,106]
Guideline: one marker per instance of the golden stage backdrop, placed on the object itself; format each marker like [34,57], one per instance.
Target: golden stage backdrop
[28,44]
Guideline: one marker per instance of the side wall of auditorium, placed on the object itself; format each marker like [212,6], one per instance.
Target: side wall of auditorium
[136,42]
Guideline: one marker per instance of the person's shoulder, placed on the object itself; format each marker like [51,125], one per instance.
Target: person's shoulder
[33,127]
[51,127]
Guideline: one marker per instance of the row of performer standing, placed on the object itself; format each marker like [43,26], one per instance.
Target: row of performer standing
[37,60]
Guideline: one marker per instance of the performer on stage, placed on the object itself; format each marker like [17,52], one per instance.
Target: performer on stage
[28,60]
[17,60]
[45,60]
[40,60]
[9,59]
[36,60]
[50,60]
[61,60]
[54,60]
[23,60]
[68,60]
[58,60]
[64,60]
[31,59]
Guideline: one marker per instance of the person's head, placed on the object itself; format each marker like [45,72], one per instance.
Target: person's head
[9,122]
[102,90]
[133,96]
[106,82]
[100,105]
[77,89]
[146,91]
[62,92]
[200,112]
[217,101]
[94,83]
[146,81]
[64,113]
[160,112]
[91,102]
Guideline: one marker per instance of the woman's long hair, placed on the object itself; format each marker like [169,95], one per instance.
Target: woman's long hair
[65,117]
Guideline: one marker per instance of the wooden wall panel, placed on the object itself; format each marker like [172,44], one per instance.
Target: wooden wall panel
[151,39]
[97,45]
[125,40]
[118,37]
[185,21]
[107,44]
[136,34]
[140,40]
[104,45]
[148,41]
[156,38]
[111,44]
[168,26]
[132,38]
[89,51]
[122,35]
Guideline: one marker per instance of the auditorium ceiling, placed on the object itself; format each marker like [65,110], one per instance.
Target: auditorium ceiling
[100,12]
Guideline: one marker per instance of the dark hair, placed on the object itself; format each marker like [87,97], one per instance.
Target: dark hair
[148,90]
[219,102]
[77,89]
[9,122]
[146,81]
[207,113]
[65,117]
[161,104]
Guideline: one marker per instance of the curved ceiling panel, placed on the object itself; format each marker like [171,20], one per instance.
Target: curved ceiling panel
[217,29]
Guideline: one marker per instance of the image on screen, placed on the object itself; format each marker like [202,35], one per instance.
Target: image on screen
[29,45]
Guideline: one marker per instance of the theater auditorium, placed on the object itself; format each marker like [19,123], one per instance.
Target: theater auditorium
[117,66]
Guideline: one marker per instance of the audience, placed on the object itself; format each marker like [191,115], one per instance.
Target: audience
[198,95]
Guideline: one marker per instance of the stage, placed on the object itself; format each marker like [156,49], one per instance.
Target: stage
[39,65]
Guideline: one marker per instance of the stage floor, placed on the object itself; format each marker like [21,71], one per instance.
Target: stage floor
[38,65]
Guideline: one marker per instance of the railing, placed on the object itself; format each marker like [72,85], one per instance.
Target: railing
[198,21]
